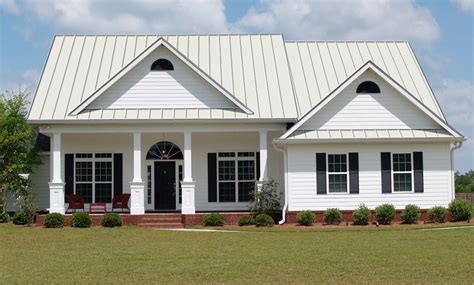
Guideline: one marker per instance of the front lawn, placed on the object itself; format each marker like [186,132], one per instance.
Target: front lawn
[136,255]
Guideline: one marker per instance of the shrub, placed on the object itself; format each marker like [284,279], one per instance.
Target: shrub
[385,214]
[333,216]
[264,220]
[28,205]
[54,220]
[246,220]
[4,218]
[437,214]
[361,216]
[267,200]
[460,210]
[81,220]
[111,220]
[213,220]
[20,218]
[305,218]
[411,214]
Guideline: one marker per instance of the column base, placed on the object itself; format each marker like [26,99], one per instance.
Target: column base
[188,189]
[56,197]
[137,198]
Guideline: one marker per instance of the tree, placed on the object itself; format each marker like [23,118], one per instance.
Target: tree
[464,182]
[17,144]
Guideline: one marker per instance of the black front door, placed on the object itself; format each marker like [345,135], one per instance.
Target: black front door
[165,188]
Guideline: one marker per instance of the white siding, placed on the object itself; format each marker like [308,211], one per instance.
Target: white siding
[302,177]
[387,110]
[179,88]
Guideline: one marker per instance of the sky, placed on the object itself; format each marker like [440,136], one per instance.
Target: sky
[441,33]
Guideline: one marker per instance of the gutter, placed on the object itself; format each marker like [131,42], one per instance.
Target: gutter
[453,190]
[285,163]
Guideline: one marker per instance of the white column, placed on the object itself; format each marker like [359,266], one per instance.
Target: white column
[56,186]
[137,186]
[263,159]
[188,185]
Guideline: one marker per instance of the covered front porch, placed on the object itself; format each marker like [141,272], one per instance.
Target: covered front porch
[172,169]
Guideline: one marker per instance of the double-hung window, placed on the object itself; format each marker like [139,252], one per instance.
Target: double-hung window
[236,176]
[337,173]
[402,172]
[93,177]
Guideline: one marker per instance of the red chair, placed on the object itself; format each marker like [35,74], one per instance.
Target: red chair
[121,202]
[75,202]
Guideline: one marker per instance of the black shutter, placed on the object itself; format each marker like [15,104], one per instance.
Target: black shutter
[320,173]
[418,171]
[258,166]
[353,173]
[69,174]
[386,166]
[212,177]
[118,174]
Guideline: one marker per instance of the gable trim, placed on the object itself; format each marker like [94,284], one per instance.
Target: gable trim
[370,65]
[160,41]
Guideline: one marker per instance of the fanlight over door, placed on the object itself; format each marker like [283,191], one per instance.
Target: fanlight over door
[164,150]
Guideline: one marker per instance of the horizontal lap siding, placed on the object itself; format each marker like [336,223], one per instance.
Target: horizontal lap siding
[302,177]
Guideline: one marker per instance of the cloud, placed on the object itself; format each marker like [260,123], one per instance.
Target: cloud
[12,80]
[464,5]
[9,6]
[346,20]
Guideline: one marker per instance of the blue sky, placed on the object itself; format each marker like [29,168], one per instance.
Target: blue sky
[441,32]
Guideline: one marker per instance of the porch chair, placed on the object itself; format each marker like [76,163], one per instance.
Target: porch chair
[121,202]
[75,202]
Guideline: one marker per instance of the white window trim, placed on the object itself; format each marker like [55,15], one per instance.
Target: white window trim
[93,159]
[346,172]
[402,172]
[236,159]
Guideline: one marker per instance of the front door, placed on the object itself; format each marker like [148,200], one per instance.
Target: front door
[165,187]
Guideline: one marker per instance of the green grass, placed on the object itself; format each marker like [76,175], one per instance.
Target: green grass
[269,256]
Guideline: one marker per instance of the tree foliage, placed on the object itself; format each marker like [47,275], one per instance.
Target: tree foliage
[17,144]
[464,182]
[267,199]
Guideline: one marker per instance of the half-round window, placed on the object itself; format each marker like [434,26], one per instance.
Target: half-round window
[164,150]
[368,87]
[162,64]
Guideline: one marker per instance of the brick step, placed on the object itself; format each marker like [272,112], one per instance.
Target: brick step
[162,225]
[170,219]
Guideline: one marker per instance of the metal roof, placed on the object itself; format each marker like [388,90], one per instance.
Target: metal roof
[273,78]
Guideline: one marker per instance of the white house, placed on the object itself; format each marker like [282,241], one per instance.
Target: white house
[190,123]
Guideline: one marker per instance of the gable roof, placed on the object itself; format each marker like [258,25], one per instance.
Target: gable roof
[159,42]
[370,65]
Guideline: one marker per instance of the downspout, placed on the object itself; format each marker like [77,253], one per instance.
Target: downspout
[453,190]
[285,165]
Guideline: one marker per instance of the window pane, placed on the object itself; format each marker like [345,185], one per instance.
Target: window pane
[103,171]
[85,191]
[226,192]
[246,154]
[180,178]
[83,171]
[103,155]
[401,182]
[246,170]
[245,188]
[337,163]
[83,155]
[103,192]
[148,181]
[337,183]
[226,154]
[402,162]
[226,170]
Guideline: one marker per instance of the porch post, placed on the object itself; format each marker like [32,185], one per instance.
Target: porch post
[137,186]
[263,159]
[188,185]
[56,186]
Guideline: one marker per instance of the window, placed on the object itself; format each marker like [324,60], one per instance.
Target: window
[93,177]
[368,87]
[148,184]
[164,150]
[162,64]
[337,173]
[180,179]
[402,172]
[236,176]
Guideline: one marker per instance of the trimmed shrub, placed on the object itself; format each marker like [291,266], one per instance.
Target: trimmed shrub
[305,218]
[4,218]
[54,220]
[213,220]
[20,218]
[460,210]
[333,216]
[437,214]
[246,221]
[264,220]
[111,220]
[81,220]
[385,214]
[361,216]
[411,214]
